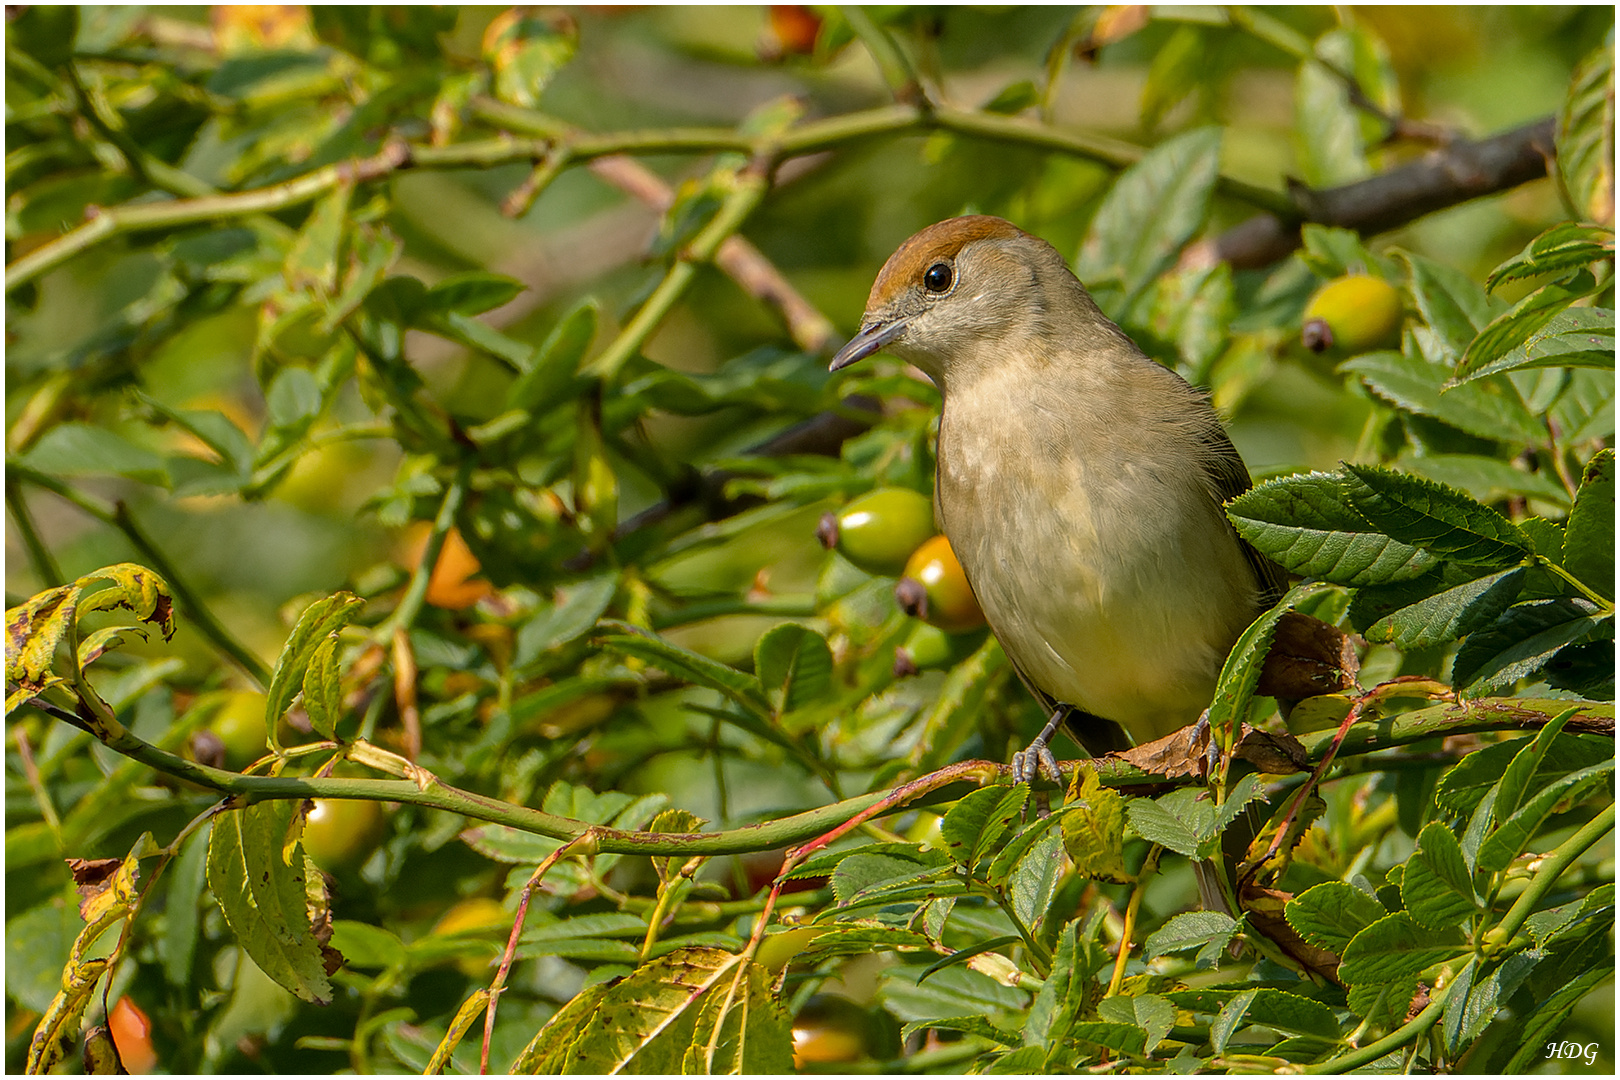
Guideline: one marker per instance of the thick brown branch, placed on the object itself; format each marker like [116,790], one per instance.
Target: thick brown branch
[1445,176]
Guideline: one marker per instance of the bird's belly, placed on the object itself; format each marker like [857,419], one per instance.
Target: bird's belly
[1127,618]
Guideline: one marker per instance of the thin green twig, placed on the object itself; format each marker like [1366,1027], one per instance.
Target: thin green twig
[186,598]
[410,605]
[45,568]
[133,217]
[745,196]
[897,72]
[1548,875]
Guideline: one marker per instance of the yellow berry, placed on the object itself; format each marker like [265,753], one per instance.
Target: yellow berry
[1353,314]
[936,590]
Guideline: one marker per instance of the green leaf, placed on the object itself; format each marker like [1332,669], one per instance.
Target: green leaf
[1515,781]
[1585,137]
[951,717]
[1532,1032]
[1490,409]
[186,876]
[1577,337]
[1266,1007]
[1055,1006]
[863,876]
[1436,518]
[1307,525]
[1182,821]
[1331,253]
[75,449]
[1395,949]
[322,618]
[1327,127]
[1017,849]
[578,607]
[1514,835]
[1190,930]
[1436,886]
[1153,1013]
[955,991]
[979,820]
[1013,98]
[1448,615]
[739,686]
[1521,642]
[968,1025]
[1329,915]
[1452,305]
[1567,246]
[1120,1038]
[1240,674]
[794,665]
[1462,786]
[293,401]
[1178,67]
[478,335]
[549,378]
[1487,479]
[1154,208]
[312,262]
[397,300]
[263,887]
[471,292]
[1032,883]
[45,32]
[323,696]
[1546,927]
[1094,827]
[1589,534]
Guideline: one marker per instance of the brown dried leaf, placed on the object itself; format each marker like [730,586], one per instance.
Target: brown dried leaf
[1308,657]
[1264,908]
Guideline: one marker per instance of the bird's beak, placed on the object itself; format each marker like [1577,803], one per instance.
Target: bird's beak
[871,339]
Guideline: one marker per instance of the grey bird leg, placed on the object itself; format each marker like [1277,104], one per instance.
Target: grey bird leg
[1037,757]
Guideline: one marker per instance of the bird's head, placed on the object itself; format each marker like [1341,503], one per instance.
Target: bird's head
[957,290]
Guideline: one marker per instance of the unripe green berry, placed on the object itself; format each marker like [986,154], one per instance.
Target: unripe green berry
[879,531]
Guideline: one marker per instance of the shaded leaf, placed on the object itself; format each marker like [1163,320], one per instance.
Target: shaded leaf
[1450,614]
[1589,534]
[1521,642]
[1154,208]
[1490,409]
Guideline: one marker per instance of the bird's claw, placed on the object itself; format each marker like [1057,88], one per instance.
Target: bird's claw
[1033,760]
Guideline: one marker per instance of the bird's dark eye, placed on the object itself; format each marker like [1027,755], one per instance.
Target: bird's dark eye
[937,278]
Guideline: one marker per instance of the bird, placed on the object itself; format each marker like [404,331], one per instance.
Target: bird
[1080,483]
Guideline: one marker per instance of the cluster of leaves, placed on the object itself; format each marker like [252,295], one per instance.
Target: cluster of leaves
[1471,543]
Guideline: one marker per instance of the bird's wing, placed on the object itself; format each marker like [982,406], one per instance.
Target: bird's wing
[1231,479]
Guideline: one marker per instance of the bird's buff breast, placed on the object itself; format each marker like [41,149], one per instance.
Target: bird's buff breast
[1127,618]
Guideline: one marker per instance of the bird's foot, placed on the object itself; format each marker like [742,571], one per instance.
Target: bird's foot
[1035,759]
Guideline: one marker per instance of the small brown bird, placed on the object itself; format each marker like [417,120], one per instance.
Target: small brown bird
[1079,482]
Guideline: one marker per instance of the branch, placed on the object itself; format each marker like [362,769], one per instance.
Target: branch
[1443,177]
[742,261]
[944,785]
[104,224]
